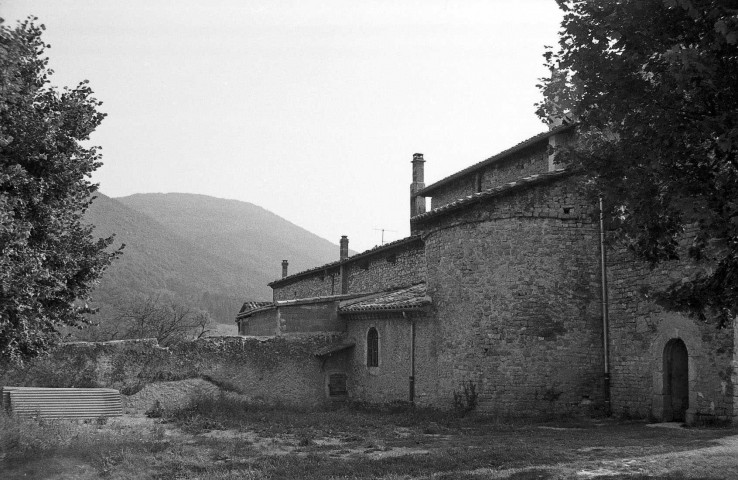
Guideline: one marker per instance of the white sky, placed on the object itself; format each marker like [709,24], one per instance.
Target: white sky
[310,109]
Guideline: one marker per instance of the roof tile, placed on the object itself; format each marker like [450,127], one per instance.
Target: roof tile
[407,298]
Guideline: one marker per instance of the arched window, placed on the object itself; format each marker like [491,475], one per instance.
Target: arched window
[372,348]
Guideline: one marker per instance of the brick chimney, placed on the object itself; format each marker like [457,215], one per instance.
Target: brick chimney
[344,247]
[285,264]
[417,202]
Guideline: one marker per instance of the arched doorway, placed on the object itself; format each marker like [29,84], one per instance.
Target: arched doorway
[676,381]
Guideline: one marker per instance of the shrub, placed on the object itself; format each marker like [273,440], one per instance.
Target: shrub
[155,411]
[466,400]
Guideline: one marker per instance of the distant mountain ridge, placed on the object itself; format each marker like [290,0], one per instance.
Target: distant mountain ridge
[209,252]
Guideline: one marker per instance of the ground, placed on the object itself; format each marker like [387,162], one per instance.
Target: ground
[225,437]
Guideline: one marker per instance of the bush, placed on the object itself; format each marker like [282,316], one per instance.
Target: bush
[20,435]
[466,400]
[155,411]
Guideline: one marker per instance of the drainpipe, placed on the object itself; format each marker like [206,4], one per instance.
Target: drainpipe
[605,315]
[411,385]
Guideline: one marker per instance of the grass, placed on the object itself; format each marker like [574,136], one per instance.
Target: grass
[227,438]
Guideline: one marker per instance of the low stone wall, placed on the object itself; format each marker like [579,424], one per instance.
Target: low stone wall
[269,369]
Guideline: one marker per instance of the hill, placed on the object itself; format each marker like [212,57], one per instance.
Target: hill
[207,252]
[239,232]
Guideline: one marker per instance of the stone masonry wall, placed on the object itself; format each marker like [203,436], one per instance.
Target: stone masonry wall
[639,331]
[273,370]
[389,381]
[264,323]
[393,269]
[320,284]
[515,285]
[519,165]
[524,163]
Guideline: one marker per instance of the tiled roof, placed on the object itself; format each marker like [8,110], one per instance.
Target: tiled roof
[491,193]
[247,306]
[495,158]
[334,348]
[407,298]
[323,299]
[250,308]
[366,253]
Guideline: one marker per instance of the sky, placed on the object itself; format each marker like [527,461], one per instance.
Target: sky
[310,109]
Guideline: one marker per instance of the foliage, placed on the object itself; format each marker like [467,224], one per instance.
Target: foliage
[166,320]
[156,410]
[48,258]
[652,86]
[466,400]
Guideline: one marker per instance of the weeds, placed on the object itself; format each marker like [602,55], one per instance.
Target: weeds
[279,443]
[155,411]
[466,400]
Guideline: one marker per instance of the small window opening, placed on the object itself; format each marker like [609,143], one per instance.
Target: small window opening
[392,258]
[372,348]
[567,210]
[364,266]
[337,385]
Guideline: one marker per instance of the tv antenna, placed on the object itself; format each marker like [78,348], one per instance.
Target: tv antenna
[384,230]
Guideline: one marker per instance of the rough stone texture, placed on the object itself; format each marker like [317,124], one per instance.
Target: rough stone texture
[318,317]
[389,381]
[639,331]
[264,323]
[276,369]
[320,284]
[391,270]
[515,287]
[524,163]
[394,267]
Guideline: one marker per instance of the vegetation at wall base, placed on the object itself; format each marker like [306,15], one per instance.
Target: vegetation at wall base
[345,443]
[49,259]
[656,107]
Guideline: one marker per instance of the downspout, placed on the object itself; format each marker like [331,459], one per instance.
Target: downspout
[411,386]
[605,315]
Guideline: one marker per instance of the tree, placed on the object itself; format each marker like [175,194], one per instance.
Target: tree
[164,319]
[49,259]
[653,86]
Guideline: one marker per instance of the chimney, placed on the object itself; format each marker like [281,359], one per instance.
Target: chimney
[285,263]
[344,247]
[343,271]
[417,202]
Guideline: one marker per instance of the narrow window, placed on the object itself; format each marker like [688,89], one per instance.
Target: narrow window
[372,348]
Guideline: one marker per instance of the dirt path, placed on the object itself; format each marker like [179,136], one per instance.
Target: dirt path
[716,462]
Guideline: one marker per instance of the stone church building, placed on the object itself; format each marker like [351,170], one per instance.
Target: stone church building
[502,291]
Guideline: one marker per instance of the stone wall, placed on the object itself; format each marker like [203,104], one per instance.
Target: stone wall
[392,269]
[527,162]
[515,286]
[639,332]
[310,318]
[276,369]
[369,272]
[321,283]
[264,323]
[388,382]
